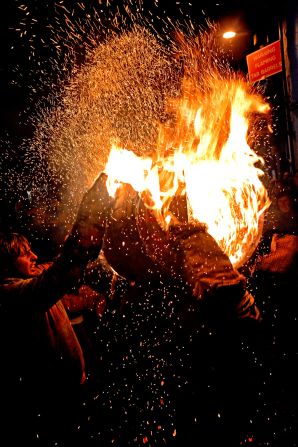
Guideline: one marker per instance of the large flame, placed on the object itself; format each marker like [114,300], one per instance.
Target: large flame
[204,154]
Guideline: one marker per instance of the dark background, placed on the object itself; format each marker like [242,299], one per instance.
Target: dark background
[17,61]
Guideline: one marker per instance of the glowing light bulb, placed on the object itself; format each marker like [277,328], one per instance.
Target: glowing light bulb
[229,35]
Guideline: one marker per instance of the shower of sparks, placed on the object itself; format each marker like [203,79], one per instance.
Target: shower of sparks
[105,75]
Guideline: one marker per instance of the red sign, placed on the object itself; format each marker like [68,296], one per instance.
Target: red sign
[264,62]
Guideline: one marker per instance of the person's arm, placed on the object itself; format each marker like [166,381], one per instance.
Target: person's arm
[282,257]
[85,298]
[211,276]
[99,275]
[82,244]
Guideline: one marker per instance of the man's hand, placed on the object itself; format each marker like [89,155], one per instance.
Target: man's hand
[282,257]
[206,267]
[95,206]
[210,274]
[85,238]
[39,268]
[82,299]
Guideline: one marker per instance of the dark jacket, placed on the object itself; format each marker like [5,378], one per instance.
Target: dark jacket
[39,341]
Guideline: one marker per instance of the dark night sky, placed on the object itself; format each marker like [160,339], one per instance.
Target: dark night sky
[15,51]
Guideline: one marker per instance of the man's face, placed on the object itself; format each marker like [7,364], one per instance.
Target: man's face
[284,204]
[25,263]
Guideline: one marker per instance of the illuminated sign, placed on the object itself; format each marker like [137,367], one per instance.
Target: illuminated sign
[265,62]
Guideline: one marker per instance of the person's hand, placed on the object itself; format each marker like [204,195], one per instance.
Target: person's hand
[89,227]
[85,298]
[94,207]
[282,256]
[206,267]
[39,268]
[210,274]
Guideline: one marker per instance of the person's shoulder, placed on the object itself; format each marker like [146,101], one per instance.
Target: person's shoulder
[7,283]
[10,280]
[11,288]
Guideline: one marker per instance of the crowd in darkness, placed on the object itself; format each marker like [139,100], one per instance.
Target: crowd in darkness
[272,274]
[117,338]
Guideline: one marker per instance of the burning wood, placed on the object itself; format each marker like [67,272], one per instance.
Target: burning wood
[203,155]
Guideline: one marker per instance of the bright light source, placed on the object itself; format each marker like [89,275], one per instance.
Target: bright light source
[229,35]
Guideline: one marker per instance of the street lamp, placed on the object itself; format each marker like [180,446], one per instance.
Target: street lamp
[229,35]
